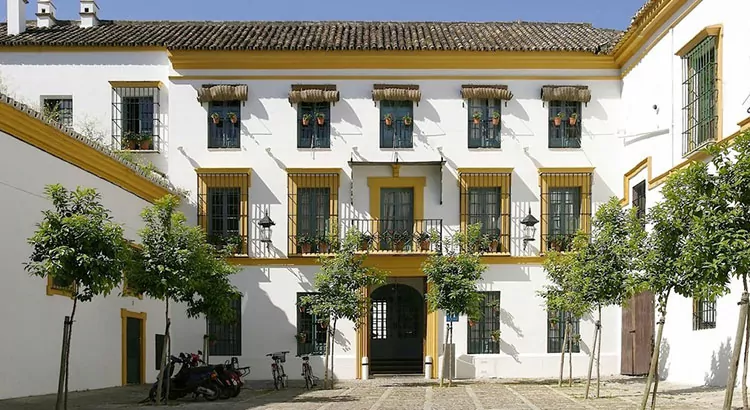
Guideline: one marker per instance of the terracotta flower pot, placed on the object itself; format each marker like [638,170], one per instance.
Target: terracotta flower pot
[493,245]
[145,145]
[364,245]
[216,120]
[407,122]
[476,120]
[572,120]
[305,122]
[323,247]
[130,145]
[306,247]
[398,246]
[472,323]
[388,122]
[557,120]
[321,121]
[424,245]
[495,121]
[233,119]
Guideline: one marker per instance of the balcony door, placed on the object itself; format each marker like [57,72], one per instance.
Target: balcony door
[396,218]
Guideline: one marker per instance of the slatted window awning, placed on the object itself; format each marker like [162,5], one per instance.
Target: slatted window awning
[313,93]
[396,92]
[577,93]
[485,92]
[222,92]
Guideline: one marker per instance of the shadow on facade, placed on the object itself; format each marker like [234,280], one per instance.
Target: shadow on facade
[664,350]
[719,365]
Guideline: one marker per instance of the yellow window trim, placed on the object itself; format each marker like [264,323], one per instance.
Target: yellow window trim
[710,31]
[136,84]
[376,184]
[583,179]
[312,178]
[143,316]
[52,291]
[489,178]
[215,178]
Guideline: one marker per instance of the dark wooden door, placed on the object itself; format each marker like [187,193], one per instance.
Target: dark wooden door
[637,334]
[396,329]
[133,350]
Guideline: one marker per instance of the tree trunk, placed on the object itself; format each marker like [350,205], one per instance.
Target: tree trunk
[734,364]
[655,355]
[61,374]
[328,353]
[452,360]
[599,354]
[570,354]
[445,355]
[333,350]
[562,355]
[163,374]
[591,360]
[67,350]
[747,346]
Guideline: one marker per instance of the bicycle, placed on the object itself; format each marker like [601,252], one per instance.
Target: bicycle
[307,372]
[277,369]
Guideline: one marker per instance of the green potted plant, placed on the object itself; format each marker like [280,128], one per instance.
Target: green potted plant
[324,244]
[232,117]
[388,119]
[495,118]
[576,338]
[495,336]
[399,240]
[477,116]
[424,241]
[573,118]
[558,118]
[144,141]
[406,119]
[321,118]
[130,140]
[216,117]
[553,321]
[234,243]
[301,337]
[494,305]
[306,119]
[494,244]
[305,242]
[365,240]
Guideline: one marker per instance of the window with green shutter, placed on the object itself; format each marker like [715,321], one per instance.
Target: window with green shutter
[398,131]
[699,94]
[226,337]
[484,208]
[311,335]
[556,322]
[483,336]
[564,216]
[310,133]
[313,214]
[484,129]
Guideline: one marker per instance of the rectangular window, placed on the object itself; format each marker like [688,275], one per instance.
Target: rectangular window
[484,334]
[226,338]
[224,121]
[396,124]
[311,335]
[566,208]
[223,207]
[59,110]
[556,322]
[639,201]
[310,132]
[699,95]
[484,123]
[485,199]
[704,314]
[135,118]
[484,209]
[313,211]
[55,286]
[564,124]
[396,219]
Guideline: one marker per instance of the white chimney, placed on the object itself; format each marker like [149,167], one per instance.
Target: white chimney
[16,16]
[89,11]
[45,13]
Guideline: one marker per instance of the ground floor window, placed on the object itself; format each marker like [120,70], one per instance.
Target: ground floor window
[704,314]
[484,333]
[226,338]
[556,322]
[311,335]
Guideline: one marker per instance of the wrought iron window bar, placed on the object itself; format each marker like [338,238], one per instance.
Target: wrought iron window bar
[227,337]
[223,210]
[400,235]
[311,335]
[480,339]
[479,192]
[396,135]
[311,133]
[566,133]
[704,314]
[556,322]
[313,213]
[566,208]
[224,119]
[699,96]
[135,118]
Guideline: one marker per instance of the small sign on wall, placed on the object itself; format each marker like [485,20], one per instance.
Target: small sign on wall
[451,318]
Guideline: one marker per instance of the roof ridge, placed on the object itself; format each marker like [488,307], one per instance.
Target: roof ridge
[70,132]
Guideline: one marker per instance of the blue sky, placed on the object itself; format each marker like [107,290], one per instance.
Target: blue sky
[602,13]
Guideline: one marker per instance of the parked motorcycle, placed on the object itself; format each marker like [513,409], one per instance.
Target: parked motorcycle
[229,374]
[198,380]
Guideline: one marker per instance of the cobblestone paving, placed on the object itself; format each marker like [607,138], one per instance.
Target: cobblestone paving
[411,394]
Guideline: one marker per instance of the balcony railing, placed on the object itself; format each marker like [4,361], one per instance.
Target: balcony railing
[397,134]
[560,242]
[565,135]
[485,134]
[399,235]
[225,134]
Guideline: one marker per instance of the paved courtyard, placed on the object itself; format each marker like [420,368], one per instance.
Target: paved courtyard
[409,393]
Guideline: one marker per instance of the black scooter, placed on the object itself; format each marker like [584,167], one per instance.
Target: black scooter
[189,379]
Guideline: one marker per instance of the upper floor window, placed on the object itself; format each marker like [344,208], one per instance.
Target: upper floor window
[566,207]
[564,124]
[223,207]
[485,200]
[484,123]
[639,201]
[135,115]
[59,109]
[313,211]
[483,335]
[397,126]
[314,129]
[704,314]
[224,124]
[557,322]
[699,95]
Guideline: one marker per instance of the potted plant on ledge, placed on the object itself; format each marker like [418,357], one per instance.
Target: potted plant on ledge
[144,141]
[365,240]
[496,118]
[573,119]
[407,120]
[301,337]
[424,241]
[477,116]
[324,244]
[306,119]
[216,117]
[232,117]
[558,118]
[495,336]
[399,240]
[234,244]
[321,118]
[305,242]
[388,119]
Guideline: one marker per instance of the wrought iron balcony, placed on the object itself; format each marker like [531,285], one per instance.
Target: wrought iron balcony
[396,134]
[565,135]
[399,235]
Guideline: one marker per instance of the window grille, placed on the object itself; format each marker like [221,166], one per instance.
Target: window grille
[311,134]
[59,110]
[135,118]
[223,132]
[566,134]
[227,336]
[639,201]
[566,208]
[556,322]
[223,209]
[313,212]
[704,314]
[314,339]
[699,95]
[399,134]
[485,199]
[480,335]
[484,132]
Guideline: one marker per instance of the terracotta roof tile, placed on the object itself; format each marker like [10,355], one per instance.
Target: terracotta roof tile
[325,35]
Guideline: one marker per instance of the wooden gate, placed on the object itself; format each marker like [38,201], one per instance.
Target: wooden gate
[637,335]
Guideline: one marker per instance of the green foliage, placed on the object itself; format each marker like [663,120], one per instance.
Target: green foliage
[177,264]
[565,292]
[339,283]
[453,275]
[77,243]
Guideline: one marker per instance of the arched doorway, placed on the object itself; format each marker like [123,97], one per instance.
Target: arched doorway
[396,330]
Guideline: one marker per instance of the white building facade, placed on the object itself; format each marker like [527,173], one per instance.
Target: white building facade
[407,144]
